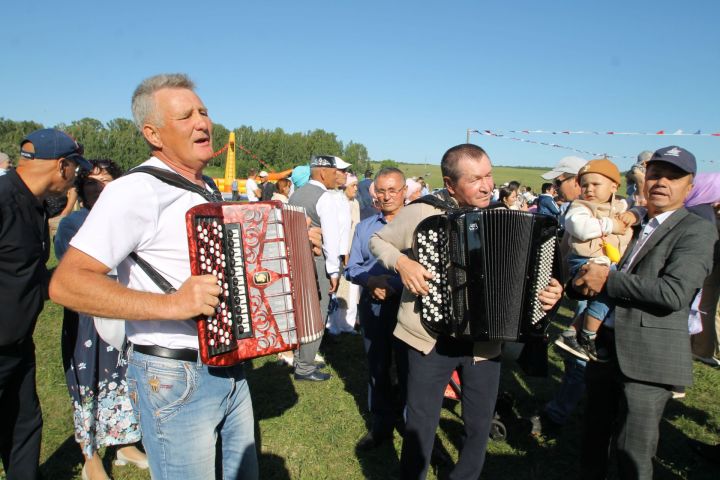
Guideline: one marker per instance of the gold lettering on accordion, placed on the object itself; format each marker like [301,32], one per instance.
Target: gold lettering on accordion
[261,278]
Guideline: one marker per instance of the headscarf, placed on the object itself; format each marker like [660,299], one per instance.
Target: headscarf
[300,175]
[706,190]
[413,186]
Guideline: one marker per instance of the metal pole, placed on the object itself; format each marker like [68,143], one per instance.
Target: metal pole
[468,135]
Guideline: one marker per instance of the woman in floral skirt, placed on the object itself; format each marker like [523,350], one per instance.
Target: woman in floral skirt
[94,370]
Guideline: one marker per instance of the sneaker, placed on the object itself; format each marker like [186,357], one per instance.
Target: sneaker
[541,425]
[568,342]
[678,392]
[711,361]
[596,354]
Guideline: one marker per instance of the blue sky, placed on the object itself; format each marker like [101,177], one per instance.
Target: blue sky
[406,79]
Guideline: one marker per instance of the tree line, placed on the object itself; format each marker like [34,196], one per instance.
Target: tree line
[121,141]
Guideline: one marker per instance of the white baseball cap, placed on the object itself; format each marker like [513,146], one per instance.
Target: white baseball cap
[262,173]
[571,165]
[341,164]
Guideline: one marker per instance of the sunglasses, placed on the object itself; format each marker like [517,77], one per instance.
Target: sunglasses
[558,183]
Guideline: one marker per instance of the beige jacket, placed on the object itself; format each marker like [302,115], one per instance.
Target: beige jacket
[582,213]
[388,245]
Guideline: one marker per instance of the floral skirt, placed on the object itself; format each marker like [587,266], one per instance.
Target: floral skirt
[95,374]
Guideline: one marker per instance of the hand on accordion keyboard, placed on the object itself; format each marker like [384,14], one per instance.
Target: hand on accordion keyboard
[550,295]
[413,275]
[198,295]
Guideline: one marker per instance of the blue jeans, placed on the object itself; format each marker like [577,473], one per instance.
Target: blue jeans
[183,408]
[599,306]
[572,387]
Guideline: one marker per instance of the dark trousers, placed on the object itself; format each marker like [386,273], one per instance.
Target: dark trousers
[378,320]
[20,415]
[305,356]
[428,375]
[623,409]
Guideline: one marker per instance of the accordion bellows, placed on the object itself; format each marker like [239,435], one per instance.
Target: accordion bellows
[488,268]
[261,256]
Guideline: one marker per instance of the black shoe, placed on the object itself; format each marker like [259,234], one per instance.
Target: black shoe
[314,376]
[711,453]
[371,441]
[568,342]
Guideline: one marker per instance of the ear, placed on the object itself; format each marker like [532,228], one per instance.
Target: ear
[614,187]
[60,168]
[449,185]
[152,136]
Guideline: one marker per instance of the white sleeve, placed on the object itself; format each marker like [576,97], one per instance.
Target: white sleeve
[327,211]
[344,221]
[124,217]
[580,223]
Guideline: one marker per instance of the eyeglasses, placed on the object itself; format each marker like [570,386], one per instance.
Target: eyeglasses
[558,183]
[387,193]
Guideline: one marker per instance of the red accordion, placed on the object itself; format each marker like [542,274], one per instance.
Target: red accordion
[261,255]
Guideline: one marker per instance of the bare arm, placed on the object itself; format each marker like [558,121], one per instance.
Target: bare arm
[81,284]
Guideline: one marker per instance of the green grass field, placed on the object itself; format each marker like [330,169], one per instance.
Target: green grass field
[308,431]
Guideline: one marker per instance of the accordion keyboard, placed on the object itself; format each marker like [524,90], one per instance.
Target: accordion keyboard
[231,320]
[432,256]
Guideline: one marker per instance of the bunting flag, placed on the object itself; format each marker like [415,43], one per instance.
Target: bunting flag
[676,133]
[502,134]
[548,144]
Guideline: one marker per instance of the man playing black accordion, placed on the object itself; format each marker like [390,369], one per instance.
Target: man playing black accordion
[467,174]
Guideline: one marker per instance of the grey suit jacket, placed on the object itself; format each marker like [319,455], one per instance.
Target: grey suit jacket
[652,299]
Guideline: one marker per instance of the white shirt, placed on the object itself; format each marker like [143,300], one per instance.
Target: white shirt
[250,187]
[143,214]
[327,211]
[647,231]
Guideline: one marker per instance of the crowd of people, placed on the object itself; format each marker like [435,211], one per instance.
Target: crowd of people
[642,271]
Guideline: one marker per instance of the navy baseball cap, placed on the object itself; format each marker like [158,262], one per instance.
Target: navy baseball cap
[677,156]
[51,144]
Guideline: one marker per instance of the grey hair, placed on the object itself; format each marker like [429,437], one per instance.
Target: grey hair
[389,171]
[143,103]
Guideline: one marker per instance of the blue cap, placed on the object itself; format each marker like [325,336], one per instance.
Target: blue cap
[677,156]
[300,175]
[51,144]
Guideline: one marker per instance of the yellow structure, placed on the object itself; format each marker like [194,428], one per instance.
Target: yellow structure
[225,183]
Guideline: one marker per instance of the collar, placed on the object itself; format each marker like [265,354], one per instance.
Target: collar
[318,184]
[23,189]
[659,219]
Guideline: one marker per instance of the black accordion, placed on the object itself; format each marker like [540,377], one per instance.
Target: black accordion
[488,268]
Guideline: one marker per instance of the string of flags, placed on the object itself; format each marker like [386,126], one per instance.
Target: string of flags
[676,133]
[513,133]
[549,144]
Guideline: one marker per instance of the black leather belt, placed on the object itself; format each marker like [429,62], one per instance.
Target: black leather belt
[185,354]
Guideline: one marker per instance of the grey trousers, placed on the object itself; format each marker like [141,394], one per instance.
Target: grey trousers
[305,356]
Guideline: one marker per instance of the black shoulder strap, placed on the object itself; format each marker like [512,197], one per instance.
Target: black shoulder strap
[176,180]
[154,275]
[436,202]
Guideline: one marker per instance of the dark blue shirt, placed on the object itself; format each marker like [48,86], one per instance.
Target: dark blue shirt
[24,250]
[363,264]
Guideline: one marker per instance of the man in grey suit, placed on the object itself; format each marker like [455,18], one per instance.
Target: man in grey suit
[656,280]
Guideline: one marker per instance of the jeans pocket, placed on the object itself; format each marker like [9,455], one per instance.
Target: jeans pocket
[167,386]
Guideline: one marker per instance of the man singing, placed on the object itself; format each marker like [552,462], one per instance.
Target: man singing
[185,407]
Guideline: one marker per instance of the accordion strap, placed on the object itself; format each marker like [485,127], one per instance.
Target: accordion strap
[154,275]
[442,201]
[176,180]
